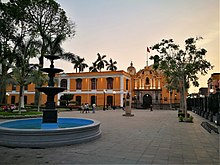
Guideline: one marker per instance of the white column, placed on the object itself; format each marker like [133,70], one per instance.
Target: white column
[151,83]
[158,83]
[135,84]
[139,84]
[68,84]
[154,86]
[121,90]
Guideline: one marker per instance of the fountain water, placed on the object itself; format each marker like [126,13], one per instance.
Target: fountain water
[50,131]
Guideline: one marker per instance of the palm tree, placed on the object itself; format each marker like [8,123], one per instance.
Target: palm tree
[93,68]
[22,70]
[52,46]
[79,64]
[38,78]
[100,62]
[111,65]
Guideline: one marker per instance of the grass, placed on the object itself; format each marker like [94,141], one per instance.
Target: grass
[14,115]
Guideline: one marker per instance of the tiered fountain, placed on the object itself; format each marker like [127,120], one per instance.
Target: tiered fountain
[50,131]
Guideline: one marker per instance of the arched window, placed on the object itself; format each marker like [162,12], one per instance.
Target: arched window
[78,100]
[147,81]
[79,83]
[13,86]
[93,100]
[93,83]
[109,100]
[25,87]
[127,84]
[109,83]
[63,83]
[12,99]
[25,99]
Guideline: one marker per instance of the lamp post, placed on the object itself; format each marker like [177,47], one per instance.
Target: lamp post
[210,105]
[114,99]
[6,100]
[104,91]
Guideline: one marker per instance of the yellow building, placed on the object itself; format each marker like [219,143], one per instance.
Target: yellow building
[149,88]
[92,87]
[87,87]
[146,87]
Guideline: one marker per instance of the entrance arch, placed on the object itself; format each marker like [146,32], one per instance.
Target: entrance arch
[147,101]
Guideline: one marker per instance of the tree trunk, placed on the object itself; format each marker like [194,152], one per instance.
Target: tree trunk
[20,98]
[184,98]
[3,85]
[39,102]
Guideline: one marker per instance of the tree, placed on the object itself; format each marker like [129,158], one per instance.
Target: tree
[38,78]
[100,62]
[93,68]
[65,98]
[79,64]
[45,18]
[181,67]
[22,71]
[111,65]
[13,30]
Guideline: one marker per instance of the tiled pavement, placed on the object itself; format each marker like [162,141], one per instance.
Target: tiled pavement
[150,137]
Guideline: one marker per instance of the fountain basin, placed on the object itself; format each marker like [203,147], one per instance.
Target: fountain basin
[29,133]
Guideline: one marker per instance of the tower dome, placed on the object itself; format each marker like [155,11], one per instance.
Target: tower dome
[131,70]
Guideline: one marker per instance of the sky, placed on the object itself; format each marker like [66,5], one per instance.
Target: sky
[123,29]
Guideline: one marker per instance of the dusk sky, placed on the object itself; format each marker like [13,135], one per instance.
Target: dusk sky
[123,29]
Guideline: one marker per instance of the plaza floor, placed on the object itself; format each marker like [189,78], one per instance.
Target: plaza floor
[150,137]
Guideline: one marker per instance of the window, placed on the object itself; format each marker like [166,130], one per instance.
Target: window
[93,83]
[63,83]
[12,99]
[93,100]
[26,87]
[25,99]
[78,100]
[14,87]
[147,81]
[109,83]
[127,84]
[109,100]
[79,84]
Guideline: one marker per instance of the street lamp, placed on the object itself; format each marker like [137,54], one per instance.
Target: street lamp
[114,99]
[210,104]
[104,91]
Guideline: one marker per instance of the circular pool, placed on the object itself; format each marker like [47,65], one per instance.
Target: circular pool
[33,133]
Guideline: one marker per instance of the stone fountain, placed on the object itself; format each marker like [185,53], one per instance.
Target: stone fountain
[50,113]
[50,131]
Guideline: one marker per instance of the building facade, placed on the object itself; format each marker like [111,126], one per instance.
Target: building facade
[107,88]
[213,83]
[149,88]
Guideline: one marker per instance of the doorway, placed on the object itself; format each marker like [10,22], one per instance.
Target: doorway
[147,101]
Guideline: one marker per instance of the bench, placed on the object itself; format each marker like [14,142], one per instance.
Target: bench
[209,127]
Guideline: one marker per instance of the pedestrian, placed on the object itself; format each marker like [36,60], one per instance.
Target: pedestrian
[87,107]
[151,107]
[123,108]
[93,108]
[82,108]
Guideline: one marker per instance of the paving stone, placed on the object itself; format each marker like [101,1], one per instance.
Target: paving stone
[147,138]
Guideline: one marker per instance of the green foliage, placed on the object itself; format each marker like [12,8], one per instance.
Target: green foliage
[79,64]
[65,98]
[181,67]
[111,65]
[100,62]
[180,118]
